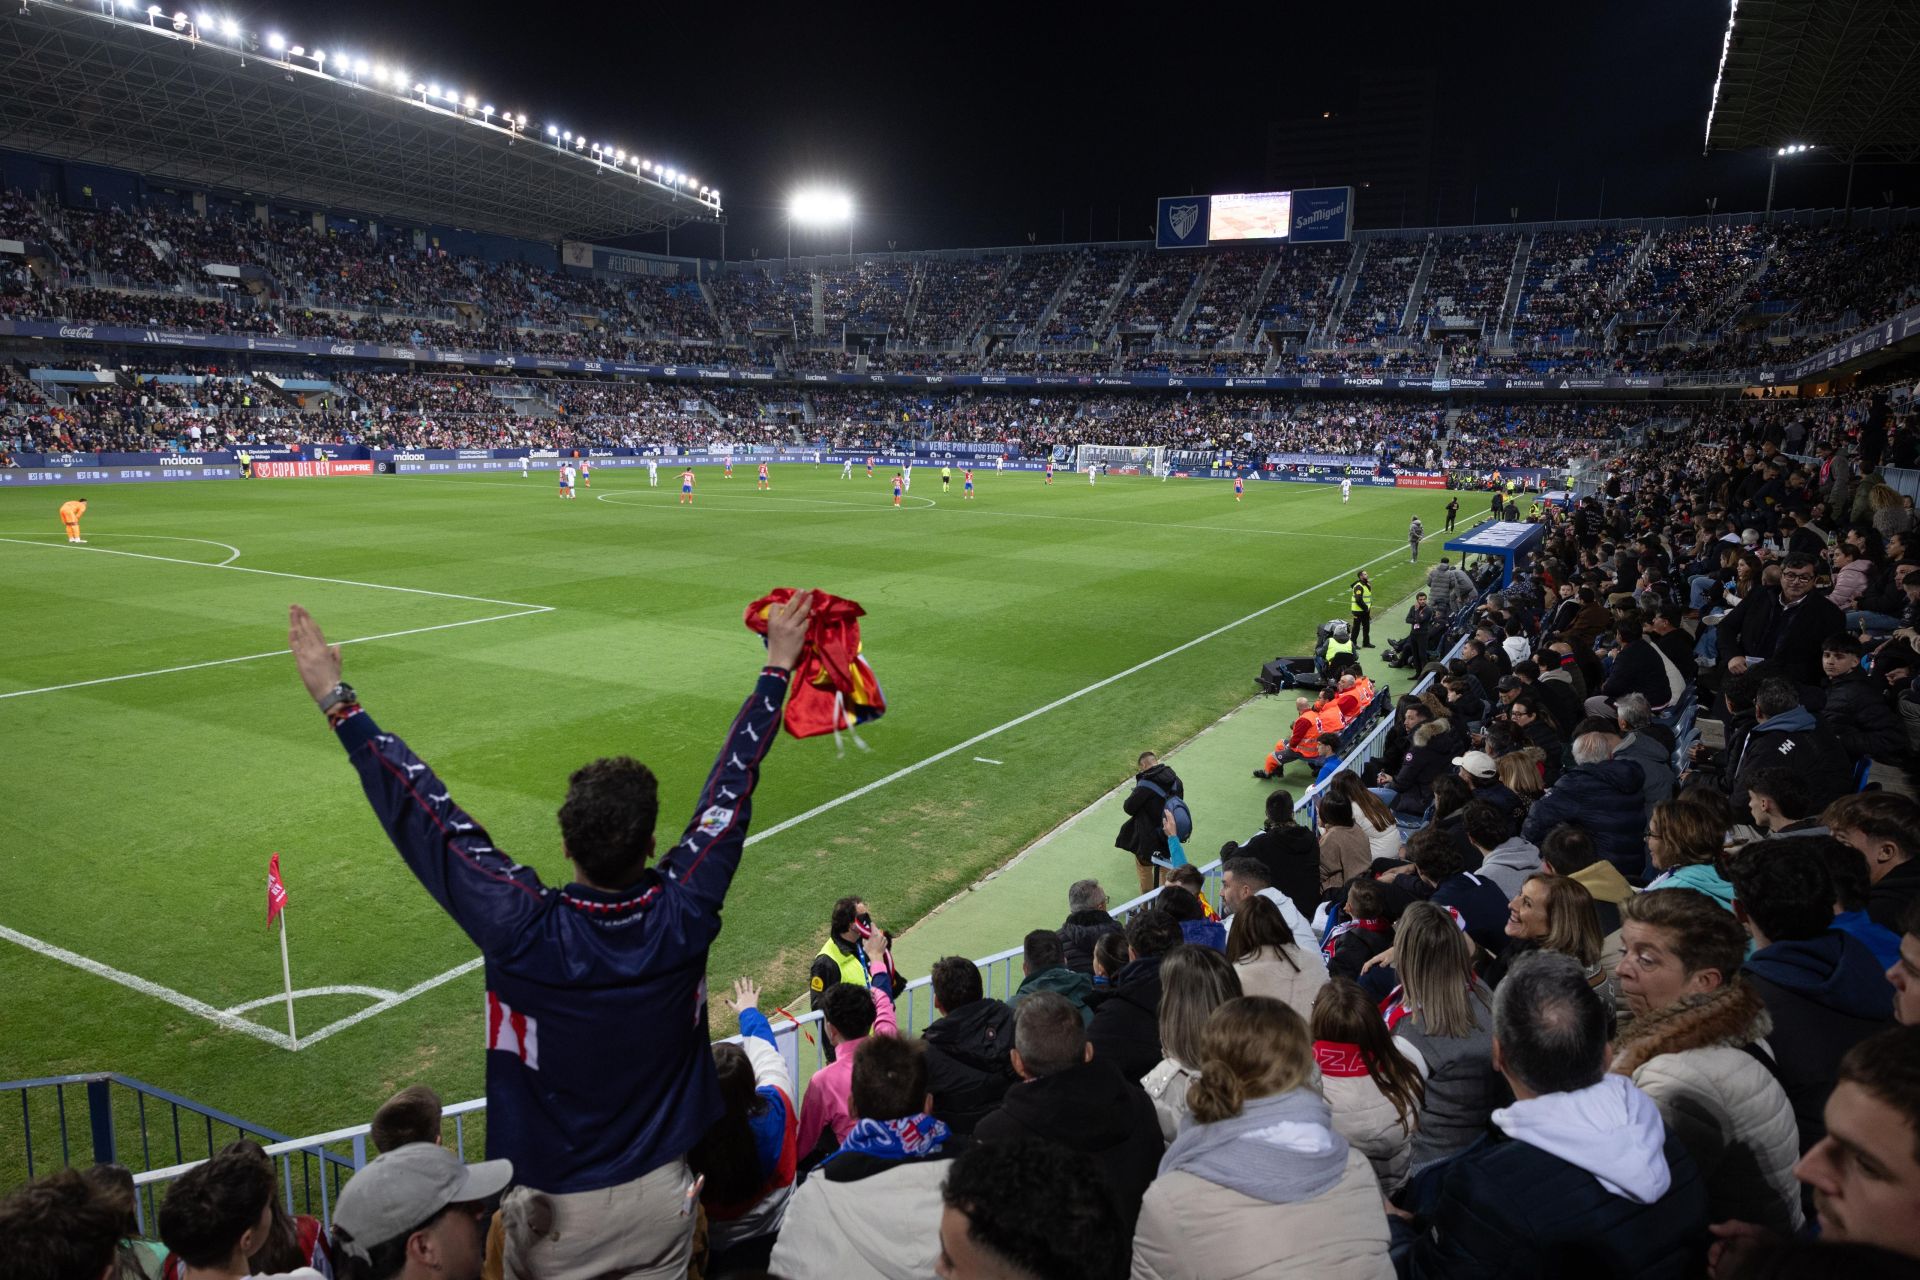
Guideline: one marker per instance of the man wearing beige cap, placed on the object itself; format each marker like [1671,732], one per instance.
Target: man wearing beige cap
[416,1213]
[1478,770]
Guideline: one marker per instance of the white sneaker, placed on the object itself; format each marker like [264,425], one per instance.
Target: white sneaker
[79,542]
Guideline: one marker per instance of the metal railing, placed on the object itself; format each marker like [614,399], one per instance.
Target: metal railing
[104,1118]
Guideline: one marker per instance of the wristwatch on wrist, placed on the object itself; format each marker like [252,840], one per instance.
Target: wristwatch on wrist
[341,695]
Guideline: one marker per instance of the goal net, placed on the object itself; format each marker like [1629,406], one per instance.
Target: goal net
[1123,459]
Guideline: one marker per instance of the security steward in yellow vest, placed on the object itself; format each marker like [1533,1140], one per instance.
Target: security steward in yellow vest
[844,956]
[1339,650]
[1363,611]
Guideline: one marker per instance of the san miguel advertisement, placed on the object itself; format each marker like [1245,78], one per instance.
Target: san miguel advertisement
[276,470]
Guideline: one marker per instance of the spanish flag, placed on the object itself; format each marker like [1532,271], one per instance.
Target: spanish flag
[833,687]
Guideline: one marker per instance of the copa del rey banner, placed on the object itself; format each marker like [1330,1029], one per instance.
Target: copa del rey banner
[276,891]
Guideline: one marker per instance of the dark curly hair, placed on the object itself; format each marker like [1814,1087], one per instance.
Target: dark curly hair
[1040,1209]
[607,820]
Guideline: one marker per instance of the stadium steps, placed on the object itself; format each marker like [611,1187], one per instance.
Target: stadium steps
[720,323]
[916,286]
[1349,281]
[1732,301]
[1419,290]
[1192,300]
[1516,285]
[1243,330]
[819,308]
[1102,328]
[1080,263]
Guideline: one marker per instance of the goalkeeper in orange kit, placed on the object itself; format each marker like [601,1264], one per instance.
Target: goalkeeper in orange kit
[70,513]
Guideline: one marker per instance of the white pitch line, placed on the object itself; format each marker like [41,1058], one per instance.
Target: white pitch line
[377,993]
[418,988]
[277,573]
[276,653]
[157,537]
[984,760]
[219,1016]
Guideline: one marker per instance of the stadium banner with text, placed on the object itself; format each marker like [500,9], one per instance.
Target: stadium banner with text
[13,477]
[492,361]
[1322,215]
[272,469]
[1419,480]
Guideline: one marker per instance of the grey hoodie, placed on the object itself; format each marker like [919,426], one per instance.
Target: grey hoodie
[1281,1149]
[1509,863]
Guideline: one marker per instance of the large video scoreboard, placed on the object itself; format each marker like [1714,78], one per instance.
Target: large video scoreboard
[1314,216]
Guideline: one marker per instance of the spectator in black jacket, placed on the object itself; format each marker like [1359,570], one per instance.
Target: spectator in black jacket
[969,1046]
[1073,1098]
[1601,795]
[1581,1177]
[1086,920]
[1289,851]
[1530,716]
[1672,639]
[1639,667]
[1783,627]
[1141,833]
[1853,705]
[1786,733]
[1823,987]
[1126,1020]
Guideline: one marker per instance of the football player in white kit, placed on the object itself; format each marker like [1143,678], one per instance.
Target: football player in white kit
[653,473]
[523,466]
[846,469]
[1346,489]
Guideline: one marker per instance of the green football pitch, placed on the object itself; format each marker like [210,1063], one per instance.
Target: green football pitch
[158,746]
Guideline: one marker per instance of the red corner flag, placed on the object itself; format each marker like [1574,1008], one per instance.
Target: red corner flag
[276,892]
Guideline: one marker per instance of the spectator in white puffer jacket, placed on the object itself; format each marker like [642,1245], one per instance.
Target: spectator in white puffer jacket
[1693,1047]
[1373,1087]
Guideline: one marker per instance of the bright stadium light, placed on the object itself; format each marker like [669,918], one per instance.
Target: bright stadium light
[360,66]
[553,131]
[230,29]
[566,135]
[815,207]
[433,90]
[320,57]
[296,52]
[206,19]
[819,207]
[470,102]
[276,41]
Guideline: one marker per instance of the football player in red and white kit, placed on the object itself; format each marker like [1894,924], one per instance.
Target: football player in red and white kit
[686,486]
[763,482]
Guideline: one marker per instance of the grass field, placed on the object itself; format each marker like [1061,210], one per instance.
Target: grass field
[524,636]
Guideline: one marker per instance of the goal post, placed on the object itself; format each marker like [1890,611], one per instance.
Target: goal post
[1123,459]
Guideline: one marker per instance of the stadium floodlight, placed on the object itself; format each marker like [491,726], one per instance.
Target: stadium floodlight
[399,77]
[819,207]
[296,52]
[229,28]
[206,19]
[521,120]
[319,57]
[566,135]
[276,41]
[360,66]
[433,90]
[619,156]
[379,73]
[470,102]
[487,113]
[553,130]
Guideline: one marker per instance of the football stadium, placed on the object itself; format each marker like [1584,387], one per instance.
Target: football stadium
[560,724]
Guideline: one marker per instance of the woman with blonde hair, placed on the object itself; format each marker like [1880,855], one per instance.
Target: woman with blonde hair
[1194,981]
[1262,952]
[1443,1013]
[1367,1079]
[1684,840]
[1887,512]
[1261,1185]
[1556,913]
[1519,772]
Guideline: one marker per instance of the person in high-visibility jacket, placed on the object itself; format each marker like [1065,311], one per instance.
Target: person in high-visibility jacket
[1303,743]
[1363,610]
[1339,650]
[1328,709]
[70,513]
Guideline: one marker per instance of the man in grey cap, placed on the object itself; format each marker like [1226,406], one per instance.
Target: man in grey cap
[416,1213]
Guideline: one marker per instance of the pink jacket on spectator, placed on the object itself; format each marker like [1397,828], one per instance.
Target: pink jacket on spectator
[1849,580]
[825,1102]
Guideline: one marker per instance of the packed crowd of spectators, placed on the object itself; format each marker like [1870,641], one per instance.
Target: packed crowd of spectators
[872,294]
[954,294]
[1557,982]
[1156,293]
[1380,297]
[1567,282]
[1468,280]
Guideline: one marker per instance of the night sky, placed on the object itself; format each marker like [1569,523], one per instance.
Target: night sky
[987,124]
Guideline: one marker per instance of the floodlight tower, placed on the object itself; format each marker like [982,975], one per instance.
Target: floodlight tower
[1773,167]
[819,207]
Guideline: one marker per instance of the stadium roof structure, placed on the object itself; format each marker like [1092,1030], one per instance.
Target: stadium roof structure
[1842,76]
[197,100]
